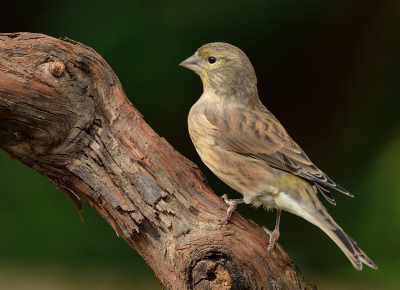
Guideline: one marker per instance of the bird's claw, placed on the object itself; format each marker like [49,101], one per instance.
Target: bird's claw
[232,206]
[273,237]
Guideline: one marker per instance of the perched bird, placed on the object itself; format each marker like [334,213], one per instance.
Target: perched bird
[246,147]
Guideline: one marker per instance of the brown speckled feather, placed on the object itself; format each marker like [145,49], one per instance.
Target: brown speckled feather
[267,140]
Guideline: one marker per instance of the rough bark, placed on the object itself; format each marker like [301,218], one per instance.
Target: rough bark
[63,113]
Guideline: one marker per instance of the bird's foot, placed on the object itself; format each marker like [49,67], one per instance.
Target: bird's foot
[274,235]
[232,206]
[273,238]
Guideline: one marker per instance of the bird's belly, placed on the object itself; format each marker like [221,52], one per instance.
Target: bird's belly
[252,178]
[266,200]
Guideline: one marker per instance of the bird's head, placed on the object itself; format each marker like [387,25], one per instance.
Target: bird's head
[223,68]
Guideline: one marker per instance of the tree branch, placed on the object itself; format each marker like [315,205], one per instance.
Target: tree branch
[63,113]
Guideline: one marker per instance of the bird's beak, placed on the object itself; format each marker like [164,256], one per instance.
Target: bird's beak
[191,63]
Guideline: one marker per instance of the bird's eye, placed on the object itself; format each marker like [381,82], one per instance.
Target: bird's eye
[212,60]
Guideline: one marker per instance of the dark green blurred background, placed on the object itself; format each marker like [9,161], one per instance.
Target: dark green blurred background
[328,70]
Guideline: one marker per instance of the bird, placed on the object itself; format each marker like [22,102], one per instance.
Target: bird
[246,147]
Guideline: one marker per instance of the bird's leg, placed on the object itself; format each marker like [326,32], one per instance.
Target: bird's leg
[232,206]
[273,237]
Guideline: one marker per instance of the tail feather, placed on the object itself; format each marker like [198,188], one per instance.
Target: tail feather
[349,247]
[346,243]
[305,203]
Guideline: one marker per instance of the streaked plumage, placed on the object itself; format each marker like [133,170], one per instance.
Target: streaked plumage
[246,146]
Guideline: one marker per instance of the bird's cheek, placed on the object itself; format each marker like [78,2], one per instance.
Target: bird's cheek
[214,79]
[204,77]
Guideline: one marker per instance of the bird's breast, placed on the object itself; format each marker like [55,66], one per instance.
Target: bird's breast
[247,175]
[201,131]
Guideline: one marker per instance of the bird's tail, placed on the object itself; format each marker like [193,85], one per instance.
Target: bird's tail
[321,218]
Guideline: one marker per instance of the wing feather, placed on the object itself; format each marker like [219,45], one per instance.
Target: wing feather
[261,136]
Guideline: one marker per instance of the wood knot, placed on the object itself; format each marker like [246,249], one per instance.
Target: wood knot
[210,275]
[57,68]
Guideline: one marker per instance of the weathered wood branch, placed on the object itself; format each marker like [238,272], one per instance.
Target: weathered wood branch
[63,113]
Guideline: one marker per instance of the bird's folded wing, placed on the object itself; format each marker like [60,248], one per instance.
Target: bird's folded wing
[261,136]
